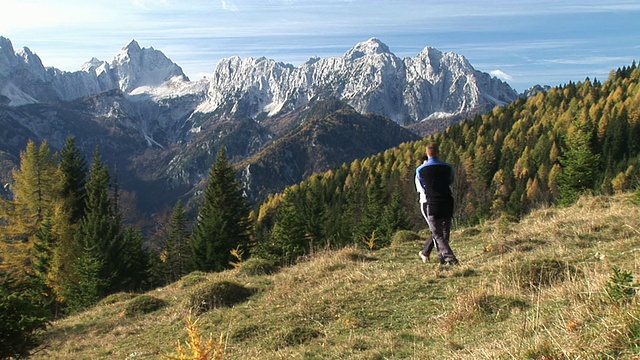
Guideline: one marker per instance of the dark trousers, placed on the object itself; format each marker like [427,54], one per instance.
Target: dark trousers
[440,231]
[429,244]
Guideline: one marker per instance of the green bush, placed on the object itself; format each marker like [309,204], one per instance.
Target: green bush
[22,317]
[117,297]
[404,236]
[143,304]
[193,278]
[621,286]
[213,295]
[257,266]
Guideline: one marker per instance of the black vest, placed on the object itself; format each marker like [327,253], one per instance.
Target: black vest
[436,180]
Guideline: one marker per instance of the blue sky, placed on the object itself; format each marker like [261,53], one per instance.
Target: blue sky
[546,42]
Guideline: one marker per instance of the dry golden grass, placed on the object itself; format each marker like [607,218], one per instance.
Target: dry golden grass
[531,290]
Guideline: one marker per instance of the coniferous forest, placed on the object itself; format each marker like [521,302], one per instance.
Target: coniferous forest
[67,241]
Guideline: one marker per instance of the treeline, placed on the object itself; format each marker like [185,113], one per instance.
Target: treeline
[541,151]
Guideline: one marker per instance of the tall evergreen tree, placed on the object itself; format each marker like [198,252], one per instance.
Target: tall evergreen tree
[222,223]
[74,170]
[370,224]
[178,249]
[288,239]
[134,271]
[580,165]
[394,217]
[99,235]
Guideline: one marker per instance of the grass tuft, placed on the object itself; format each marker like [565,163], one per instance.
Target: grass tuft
[193,278]
[532,274]
[143,304]
[212,295]
[258,266]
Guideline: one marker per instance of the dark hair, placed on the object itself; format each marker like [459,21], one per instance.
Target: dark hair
[425,158]
[432,150]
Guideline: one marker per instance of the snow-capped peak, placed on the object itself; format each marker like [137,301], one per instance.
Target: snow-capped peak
[372,46]
[135,66]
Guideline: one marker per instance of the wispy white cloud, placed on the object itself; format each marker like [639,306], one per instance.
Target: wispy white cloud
[501,75]
[229,5]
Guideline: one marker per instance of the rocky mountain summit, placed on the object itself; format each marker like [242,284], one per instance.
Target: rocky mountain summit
[165,130]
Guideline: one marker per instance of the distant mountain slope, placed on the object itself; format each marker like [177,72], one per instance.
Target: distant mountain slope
[325,141]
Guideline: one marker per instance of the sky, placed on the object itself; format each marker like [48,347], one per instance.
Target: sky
[546,42]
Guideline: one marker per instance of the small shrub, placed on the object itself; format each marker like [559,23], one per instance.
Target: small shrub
[217,294]
[354,254]
[196,349]
[116,298]
[404,236]
[22,318]
[193,278]
[143,304]
[258,266]
[620,286]
[424,233]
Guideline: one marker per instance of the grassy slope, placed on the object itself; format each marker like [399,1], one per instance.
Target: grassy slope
[386,304]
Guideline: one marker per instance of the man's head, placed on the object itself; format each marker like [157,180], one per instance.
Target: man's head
[432,150]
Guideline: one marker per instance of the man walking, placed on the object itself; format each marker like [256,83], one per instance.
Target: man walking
[436,177]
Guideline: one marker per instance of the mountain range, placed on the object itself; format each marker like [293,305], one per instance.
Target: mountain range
[280,123]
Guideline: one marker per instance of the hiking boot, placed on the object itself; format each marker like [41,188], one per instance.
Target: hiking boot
[425,259]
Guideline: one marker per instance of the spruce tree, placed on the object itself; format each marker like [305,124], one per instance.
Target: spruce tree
[288,238]
[394,217]
[370,225]
[222,223]
[580,165]
[134,271]
[99,236]
[73,173]
[178,249]
[74,170]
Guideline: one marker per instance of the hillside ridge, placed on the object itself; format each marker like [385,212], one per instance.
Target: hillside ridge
[533,289]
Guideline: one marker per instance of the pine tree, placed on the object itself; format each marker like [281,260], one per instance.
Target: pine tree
[99,234]
[394,217]
[74,170]
[580,165]
[135,261]
[370,223]
[288,239]
[178,248]
[222,223]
